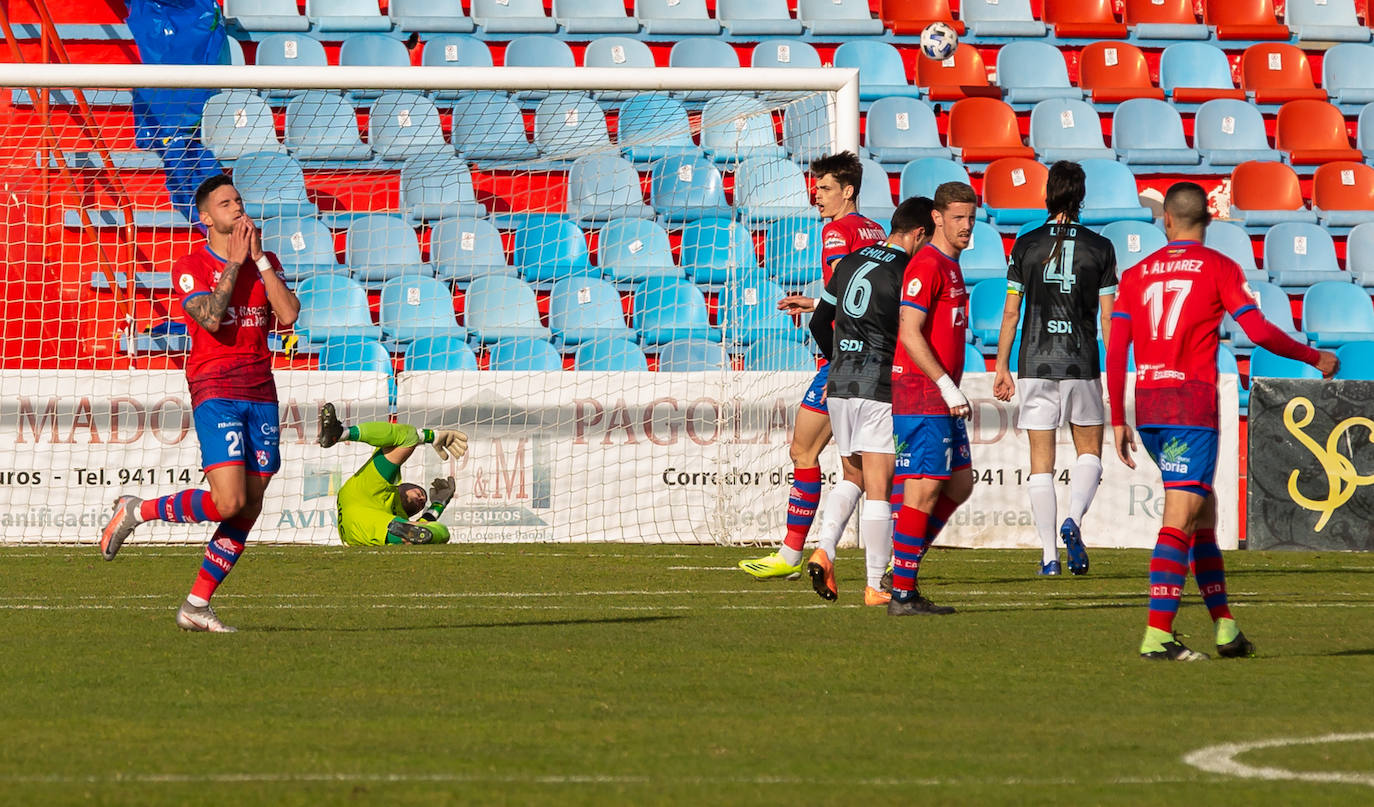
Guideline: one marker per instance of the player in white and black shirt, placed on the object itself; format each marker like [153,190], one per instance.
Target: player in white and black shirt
[1066,276]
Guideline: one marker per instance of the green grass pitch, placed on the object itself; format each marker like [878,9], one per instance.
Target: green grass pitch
[662,675]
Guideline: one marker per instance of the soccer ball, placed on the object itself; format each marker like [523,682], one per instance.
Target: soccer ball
[938,41]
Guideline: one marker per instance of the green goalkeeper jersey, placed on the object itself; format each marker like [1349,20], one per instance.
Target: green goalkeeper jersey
[369,501]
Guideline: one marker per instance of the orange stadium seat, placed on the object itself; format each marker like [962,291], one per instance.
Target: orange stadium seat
[1243,19]
[1113,72]
[910,17]
[1313,132]
[1265,186]
[1014,190]
[1083,19]
[964,76]
[1168,19]
[1274,73]
[1343,193]
[985,129]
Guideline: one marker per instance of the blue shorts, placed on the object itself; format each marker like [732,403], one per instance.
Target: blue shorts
[1186,456]
[930,446]
[243,433]
[814,399]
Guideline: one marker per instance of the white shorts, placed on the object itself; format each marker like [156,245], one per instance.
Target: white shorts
[861,426]
[1046,403]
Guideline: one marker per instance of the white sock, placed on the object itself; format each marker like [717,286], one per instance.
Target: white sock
[1087,474]
[835,515]
[790,556]
[1045,510]
[875,528]
[198,602]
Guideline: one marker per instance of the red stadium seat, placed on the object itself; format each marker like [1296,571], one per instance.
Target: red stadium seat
[1159,12]
[986,130]
[1083,19]
[1275,73]
[1313,132]
[1243,19]
[966,77]
[1114,72]
[1004,187]
[1343,186]
[1265,186]
[910,17]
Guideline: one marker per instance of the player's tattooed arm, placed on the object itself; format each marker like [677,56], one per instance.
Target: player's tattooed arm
[208,309]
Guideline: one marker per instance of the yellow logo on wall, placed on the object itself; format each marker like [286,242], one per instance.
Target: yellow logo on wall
[1341,478]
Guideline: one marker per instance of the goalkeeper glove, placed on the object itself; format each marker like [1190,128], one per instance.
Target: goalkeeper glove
[440,493]
[450,443]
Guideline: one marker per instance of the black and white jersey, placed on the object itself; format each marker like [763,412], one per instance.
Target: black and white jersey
[866,294]
[1060,291]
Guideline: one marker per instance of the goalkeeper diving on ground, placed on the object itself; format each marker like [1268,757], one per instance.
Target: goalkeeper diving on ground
[375,507]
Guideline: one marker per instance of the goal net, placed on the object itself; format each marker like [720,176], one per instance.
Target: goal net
[579,268]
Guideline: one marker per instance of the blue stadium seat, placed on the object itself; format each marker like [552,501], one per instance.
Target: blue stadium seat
[1359,254]
[1228,132]
[770,189]
[372,50]
[304,246]
[1324,21]
[454,50]
[594,17]
[792,251]
[271,184]
[266,15]
[381,247]
[1066,129]
[779,355]
[1264,364]
[735,128]
[1357,361]
[237,122]
[1234,242]
[985,258]
[757,18]
[678,18]
[667,309]
[693,356]
[235,49]
[806,128]
[899,130]
[695,51]
[439,353]
[1133,241]
[1226,365]
[985,303]
[629,250]
[489,127]
[1348,76]
[584,309]
[551,248]
[333,306]
[715,248]
[1031,72]
[1364,139]
[436,187]
[430,17]
[523,354]
[685,189]
[412,307]
[618,51]
[512,17]
[346,15]
[1112,194]
[463,249]
[610,355]
[1147,134]
[1033,225]
[321,125]
[1335,312]
[402,125]
[355,354]
[289,50]
[973,360]
[881,71]
[784,53]
[875,194]
[1000,18]
[1274,305]
[922,176]
[653,126]
[1194,66]
[749,312]
[538,51]
[1298,254]
[567,124]
[603,187]
[839,18]
[498,307]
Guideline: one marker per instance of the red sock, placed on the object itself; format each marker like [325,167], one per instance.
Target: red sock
[908,545]
[1210,572]
[801,506]
[223,551]
[187,507]
[1168,572]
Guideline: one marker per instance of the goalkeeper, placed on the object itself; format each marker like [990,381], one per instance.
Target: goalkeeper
[375,507]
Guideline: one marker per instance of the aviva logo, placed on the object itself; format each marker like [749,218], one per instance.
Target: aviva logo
[1173,456]
[1342,480]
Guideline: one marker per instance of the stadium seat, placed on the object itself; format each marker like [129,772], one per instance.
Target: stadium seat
[449,353]
[1000,18]
[700,51]
[1274,305]
[584,309]
[1357,361]
[537,51]
[1275,73]
[1343,194]
[668,309]
[436,187]
[654,126]
[1194,72]
[321,125]
[1162,19]
[806,126]
[429,17]
[973,360]
[618,51]
[569,123]
[792,252]
[715,248]
[412,307]
[1324,21]
[962,75]
[735,128]
[594,17]
[1031,72]
[779,355]
[1014,191]
[1133,241]
[333,306]
[881,71]
[784,53]
[498,307]
[551,248]
[1234,242]
[289,50]
[677,18]
[603,187]
[1228,132]
[1082,19]
[402,125]
[986,300]
[1243,19]
[910,17]
[1033,224]
[523,354]
[346,15]
[838,18]
[1299,254]
[686,188]
[984,258]
[1226,365]
[1265,193]
[271,184]
[1359,254]
[237,122]
[692,356]
[355,354]
[899,130]
[982,130]
[372,50]
[265,15]
[1336,312]
[1112,72]
[512,17]
[463,249]
[749,312]
[488,126]
[1264,364]
[1112,194]
[1364,132]
[1312,133]
[1147,135]
[757,18]
[235,52]
[1348,75]
[303,245]
[1067,129]
[921,177]
[875,194]
[610,355]
[381,247]
[629,250]
[771,189]
[455,51]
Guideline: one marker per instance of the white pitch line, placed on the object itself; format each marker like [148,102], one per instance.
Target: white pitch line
[1222,759]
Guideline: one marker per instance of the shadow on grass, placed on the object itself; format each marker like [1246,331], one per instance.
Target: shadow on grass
[524,623]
